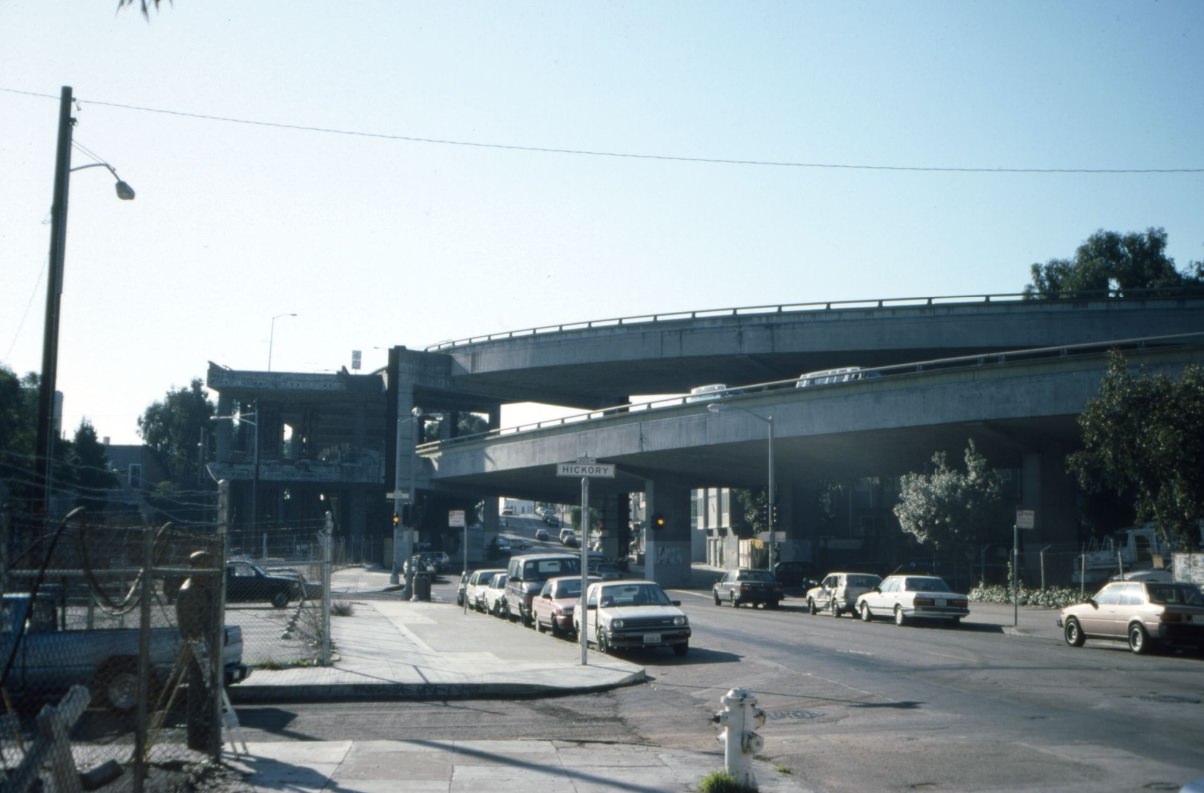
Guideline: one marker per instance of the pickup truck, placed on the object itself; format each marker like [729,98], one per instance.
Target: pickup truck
[49,659]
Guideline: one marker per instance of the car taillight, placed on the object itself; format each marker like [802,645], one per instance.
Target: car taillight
[961,604]
[925,602]
[1170,616]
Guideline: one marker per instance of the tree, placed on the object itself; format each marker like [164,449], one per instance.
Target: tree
[173,430]
[1126,263]
[950,509]
[144,3]
[1144,436]
[92,475]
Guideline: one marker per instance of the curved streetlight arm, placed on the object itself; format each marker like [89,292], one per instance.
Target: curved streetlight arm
[124,191]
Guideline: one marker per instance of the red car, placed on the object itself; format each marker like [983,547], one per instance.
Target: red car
[553,607]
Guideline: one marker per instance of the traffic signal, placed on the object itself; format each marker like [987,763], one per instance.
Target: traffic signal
[658,521]
[396,520]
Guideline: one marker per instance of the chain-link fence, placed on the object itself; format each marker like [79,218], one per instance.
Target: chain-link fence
[124,639]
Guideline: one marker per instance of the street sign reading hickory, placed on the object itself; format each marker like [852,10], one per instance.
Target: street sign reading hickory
[586,467]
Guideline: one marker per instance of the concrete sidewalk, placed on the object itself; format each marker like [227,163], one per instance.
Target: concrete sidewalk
[390,649]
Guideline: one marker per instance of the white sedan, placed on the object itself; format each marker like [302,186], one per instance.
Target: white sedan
[626,614]
[908,597]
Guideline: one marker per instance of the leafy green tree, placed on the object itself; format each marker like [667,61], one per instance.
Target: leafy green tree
[173,430]
[1144,436]
[952,510]
[1128,263]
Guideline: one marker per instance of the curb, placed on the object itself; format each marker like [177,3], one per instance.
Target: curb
[359,692]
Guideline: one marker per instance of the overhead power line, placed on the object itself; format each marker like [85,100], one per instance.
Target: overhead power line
[616,154]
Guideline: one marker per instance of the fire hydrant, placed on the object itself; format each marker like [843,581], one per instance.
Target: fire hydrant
[739,717]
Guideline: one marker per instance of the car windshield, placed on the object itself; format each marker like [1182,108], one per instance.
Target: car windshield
[634,595]
[757,575]
[1176,594]
[568,589]
[867,581]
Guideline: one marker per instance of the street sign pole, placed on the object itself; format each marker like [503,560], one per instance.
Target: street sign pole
[1025,519]
[584,632]
[585,468]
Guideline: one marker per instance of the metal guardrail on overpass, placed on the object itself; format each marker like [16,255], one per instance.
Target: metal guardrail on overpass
[941,364]
[813,306]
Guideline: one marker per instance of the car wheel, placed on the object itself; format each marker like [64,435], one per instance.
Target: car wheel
[603,645]
[117,685]
[899,618]
[1073,633]
[773,604]
[865,613]
[280,600]
[681,649]
[715,593]
[811,606]
[732,599]
[1139,640]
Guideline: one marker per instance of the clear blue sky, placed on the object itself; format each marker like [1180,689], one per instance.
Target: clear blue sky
[374,240]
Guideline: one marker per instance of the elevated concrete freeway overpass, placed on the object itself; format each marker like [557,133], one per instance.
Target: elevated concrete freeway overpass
[1008,403]
[1020,408]
[605,362]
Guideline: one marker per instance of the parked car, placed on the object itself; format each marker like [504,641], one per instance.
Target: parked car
[605,571]
[567,532]
[553,607]
[247,582]
[571,541]
[495,595]
[542,535]
[908,597]
[795,574]
[744,585]
[478,582]
[838,592]
[550,519]
[627,614]
[526,575]
[1143,613]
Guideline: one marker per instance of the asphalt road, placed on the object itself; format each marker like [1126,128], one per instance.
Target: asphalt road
[854,706]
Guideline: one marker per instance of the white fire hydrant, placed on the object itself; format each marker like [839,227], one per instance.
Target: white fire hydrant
[739,717]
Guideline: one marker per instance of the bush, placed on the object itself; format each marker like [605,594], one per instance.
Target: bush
[1049,597]
[723,782]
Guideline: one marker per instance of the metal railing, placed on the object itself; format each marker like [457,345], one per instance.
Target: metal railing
[754,389]
[820,306]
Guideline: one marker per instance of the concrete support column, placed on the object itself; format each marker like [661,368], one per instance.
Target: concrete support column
[668,551]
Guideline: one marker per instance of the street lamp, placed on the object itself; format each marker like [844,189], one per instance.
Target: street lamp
[48,383]
[272,337]
[403,537]
[241,418]
[715,407]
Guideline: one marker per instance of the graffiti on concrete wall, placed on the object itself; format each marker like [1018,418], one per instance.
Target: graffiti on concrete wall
[671,554]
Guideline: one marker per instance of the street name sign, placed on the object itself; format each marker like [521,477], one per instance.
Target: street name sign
[586,468]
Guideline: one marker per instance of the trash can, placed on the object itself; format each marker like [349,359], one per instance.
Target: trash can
[422,586]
